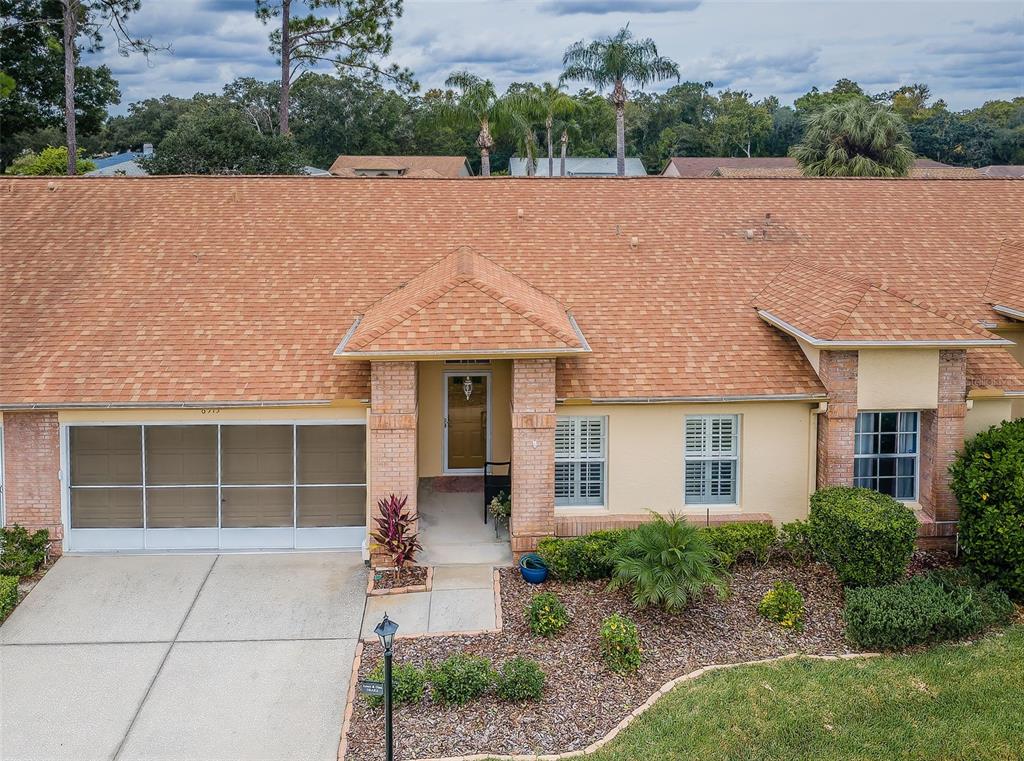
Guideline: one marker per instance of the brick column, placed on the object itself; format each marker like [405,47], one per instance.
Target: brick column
[942,436]
[393,467]
[533,452]
[31,473]
[838,372]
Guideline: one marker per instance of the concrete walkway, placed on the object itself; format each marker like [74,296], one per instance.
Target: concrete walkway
[452,530]
[244,656]
[461,599]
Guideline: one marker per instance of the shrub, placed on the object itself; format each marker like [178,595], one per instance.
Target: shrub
[927,608]
[8,595]
[865,536]
[784,605]
[49,161]
[666,562]
[581,557]
[737,541]
[501,508]
[520,679]
[620,644]
[996,607]
[460,678]
[795,541]
[988,481]
[407,684]
[546,614]
[22,553]
[394,532]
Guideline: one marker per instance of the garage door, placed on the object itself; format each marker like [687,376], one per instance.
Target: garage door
[216,486]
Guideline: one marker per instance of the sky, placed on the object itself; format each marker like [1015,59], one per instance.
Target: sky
[968,52]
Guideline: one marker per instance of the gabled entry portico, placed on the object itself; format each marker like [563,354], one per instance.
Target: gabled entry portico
[465,350]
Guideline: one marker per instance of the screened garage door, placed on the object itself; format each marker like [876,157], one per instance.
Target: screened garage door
[216,486]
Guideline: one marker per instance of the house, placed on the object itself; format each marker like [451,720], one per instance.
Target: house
[121,164]
[765,167]
[1003,171]
[238,375]
[423,167]
[577,166]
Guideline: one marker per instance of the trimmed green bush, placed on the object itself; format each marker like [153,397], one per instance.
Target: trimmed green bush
[620,644]
[742,541]
[407,683]
[784,605]
[8,595]
[667,562]
[22,553]
[867,537]
[988,481]
[795,541]
[928,608]
[546,614]
[520,679]
[996,607]
[581,557]
[460,678]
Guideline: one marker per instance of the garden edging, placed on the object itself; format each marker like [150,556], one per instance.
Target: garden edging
[640,710]
[425,587]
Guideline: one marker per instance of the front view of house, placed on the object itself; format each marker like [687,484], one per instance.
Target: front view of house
[252,362]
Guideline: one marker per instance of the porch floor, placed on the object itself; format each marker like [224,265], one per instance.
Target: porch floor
[452,529]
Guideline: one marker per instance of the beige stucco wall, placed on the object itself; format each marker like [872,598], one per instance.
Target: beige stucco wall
[898,379]
[986,412]
[431,412]
[1015,334]
[645,457]
[812,353]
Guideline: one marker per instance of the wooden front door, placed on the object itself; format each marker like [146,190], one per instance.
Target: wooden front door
[466,422]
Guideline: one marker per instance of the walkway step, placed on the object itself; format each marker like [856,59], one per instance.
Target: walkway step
[493,553]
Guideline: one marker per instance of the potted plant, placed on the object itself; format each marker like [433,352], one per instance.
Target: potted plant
[501,511]
[533,568]
[394,534]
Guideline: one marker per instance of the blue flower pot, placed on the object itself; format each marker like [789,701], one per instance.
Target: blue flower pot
[533,568]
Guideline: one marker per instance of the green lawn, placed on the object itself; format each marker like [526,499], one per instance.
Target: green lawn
[953,702]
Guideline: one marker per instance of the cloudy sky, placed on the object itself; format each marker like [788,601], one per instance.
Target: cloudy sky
[968,51]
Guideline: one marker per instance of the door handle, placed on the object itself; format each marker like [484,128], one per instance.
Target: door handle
[446,422]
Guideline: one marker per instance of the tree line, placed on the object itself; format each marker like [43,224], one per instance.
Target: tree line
[310,117]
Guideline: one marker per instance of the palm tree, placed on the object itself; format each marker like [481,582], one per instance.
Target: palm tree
[551,102]
[478,105]
[614,61]
[567,127]
[855,138]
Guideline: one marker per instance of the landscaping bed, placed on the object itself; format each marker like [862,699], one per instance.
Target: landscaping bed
[412,579]
[583,700]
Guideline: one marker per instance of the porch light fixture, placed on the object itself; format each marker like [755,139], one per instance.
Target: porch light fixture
[385,632]
[467,387]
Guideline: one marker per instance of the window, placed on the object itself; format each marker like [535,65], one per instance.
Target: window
[712,459]
[886,453]
[580,460]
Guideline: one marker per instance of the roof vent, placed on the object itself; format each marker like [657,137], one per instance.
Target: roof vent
[634,242]
[519,213]
[749,233]
[52,186]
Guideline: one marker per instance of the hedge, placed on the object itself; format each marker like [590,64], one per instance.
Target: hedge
[8,595]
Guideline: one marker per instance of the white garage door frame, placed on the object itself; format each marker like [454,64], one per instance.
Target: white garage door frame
[176,539]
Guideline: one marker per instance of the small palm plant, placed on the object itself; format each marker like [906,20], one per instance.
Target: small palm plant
[395,532]
[479,107]
[666,562]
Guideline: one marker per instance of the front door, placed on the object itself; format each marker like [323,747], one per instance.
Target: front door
[466,422]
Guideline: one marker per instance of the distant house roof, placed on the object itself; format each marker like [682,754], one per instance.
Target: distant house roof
[1004,171]
[401,166]
[783,166]
[578,166]
[121,164]
[315,171]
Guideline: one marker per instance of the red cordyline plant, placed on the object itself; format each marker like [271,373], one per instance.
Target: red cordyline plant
[394,531]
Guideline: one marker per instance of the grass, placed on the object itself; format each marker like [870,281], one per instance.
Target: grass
[951,702]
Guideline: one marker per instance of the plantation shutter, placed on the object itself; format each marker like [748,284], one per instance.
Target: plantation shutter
[711,445]
[580,460]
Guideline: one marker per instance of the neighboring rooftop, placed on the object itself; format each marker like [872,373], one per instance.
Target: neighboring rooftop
[768,167]
[577,166]
[121,164]
[1004,171]
[210,289]
[401,166]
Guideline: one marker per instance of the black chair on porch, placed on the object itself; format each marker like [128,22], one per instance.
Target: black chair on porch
[497,479]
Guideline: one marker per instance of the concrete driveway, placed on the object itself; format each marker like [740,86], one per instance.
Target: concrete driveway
[207,657]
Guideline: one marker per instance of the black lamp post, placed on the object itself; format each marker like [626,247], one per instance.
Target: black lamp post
[385,632]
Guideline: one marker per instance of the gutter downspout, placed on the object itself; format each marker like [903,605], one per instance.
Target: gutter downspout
[812,454]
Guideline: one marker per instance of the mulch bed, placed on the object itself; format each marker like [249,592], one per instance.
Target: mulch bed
[583,700]
[412,576]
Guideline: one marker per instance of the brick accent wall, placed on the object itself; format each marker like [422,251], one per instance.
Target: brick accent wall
[942,436]
[392,434]
[838,373]
[533,452]
[31,473]
[579,525]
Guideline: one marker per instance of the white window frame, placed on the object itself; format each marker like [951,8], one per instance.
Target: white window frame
[577,456]
[218,537]
[707,456]
[916,456]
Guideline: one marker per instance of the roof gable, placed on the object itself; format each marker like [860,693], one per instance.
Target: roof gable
[464,304]
[827,307]
[1005,291]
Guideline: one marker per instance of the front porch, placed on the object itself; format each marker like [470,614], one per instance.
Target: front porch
[451,524]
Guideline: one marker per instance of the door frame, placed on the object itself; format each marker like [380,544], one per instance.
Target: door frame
[489,374]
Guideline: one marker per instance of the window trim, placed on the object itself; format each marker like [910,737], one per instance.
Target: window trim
[735,503]
[575,502]
[916,456]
